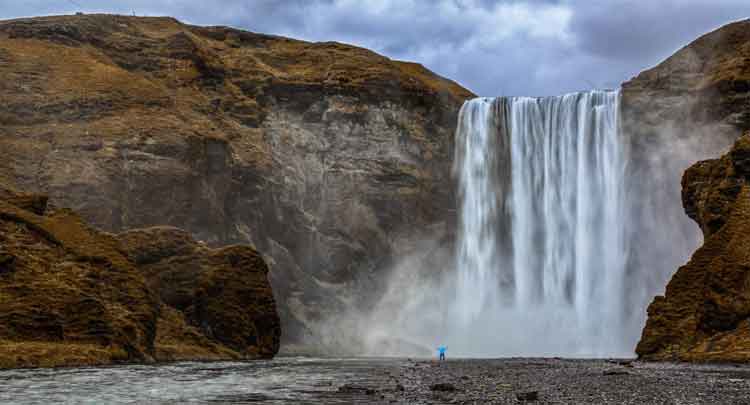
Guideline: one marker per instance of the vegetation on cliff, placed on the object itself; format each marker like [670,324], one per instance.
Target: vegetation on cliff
[691,107]
[71,295]
[705,312]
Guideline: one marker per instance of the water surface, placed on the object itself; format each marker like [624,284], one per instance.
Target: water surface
[282,380]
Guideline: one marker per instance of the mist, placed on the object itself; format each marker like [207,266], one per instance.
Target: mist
[430,299]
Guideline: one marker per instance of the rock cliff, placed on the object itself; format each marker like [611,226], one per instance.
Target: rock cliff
[328,158]
[691,107]
[705,312]
[705,86]
[71,295]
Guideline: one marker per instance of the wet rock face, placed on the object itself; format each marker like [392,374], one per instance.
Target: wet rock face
[72,295]
[705,312]
[324,156]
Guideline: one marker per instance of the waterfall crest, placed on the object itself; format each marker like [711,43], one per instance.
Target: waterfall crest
[541,249]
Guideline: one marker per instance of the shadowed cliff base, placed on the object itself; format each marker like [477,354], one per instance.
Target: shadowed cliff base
[71,295]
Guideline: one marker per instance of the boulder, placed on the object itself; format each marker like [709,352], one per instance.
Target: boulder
[528,396]
[444,387]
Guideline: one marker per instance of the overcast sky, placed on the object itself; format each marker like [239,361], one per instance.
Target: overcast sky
[492,47]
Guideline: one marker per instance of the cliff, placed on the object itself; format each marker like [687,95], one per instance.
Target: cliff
[704,85]
[694,106]
[690,107]
[328,158]
[71,295]
[705,312]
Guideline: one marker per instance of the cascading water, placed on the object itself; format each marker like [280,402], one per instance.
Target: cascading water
[541,252]
[561,243]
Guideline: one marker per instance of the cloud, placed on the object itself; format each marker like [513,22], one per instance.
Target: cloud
[493,47]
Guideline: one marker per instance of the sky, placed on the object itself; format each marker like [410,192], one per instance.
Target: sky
[492,47]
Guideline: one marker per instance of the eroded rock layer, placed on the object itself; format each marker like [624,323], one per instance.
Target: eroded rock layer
[328,158]
[71,295]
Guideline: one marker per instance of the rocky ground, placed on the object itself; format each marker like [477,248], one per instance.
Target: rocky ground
[305,380]
[559,381]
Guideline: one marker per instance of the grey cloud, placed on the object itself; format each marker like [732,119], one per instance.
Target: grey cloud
[640,31]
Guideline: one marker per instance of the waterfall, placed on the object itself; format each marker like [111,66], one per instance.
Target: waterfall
[541,249]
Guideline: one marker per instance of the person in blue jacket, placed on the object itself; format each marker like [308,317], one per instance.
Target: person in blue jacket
[441,352]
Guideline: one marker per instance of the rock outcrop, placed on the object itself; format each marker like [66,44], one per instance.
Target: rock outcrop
[692,107]
[705,312]
[328,158]
[71,295]
[224,293]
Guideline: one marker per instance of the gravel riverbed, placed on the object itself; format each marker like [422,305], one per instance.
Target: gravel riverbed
[562,381]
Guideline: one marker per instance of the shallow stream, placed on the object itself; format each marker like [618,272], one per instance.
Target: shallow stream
[282,380]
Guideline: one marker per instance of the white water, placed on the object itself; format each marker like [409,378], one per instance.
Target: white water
[558,251]
[541,252]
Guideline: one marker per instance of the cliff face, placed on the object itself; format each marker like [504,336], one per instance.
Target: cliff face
[691,107]
[72,295]
[326,157]
[705,312]
[704,85]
